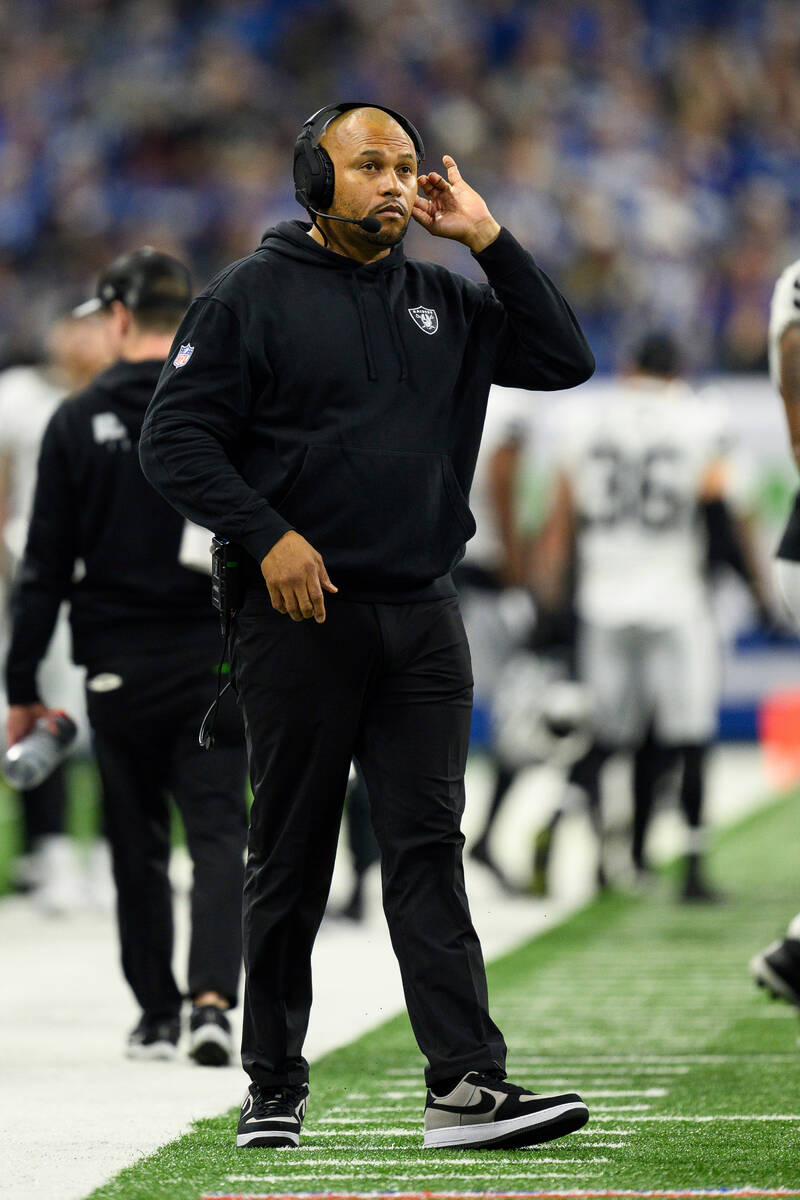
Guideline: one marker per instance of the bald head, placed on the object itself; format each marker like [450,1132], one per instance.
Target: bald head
[359,127]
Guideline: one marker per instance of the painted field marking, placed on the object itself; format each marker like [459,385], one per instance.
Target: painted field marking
[399,1162]
[620,1108]
[310,1134]
[475,1175]
[415,1175]
[606,1145]
[331,1133]
[562,1060]
[578,1194]
[715,1117]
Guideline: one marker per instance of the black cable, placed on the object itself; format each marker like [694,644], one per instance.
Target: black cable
[206,735]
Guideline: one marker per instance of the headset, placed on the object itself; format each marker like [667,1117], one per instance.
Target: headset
[313,167]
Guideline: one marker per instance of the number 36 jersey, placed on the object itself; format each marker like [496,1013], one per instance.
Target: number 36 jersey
[636,466]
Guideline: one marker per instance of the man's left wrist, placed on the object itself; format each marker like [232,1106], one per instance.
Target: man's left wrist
[482,236]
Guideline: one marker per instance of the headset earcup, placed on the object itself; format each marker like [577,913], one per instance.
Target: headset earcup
[324,181]
[313,174]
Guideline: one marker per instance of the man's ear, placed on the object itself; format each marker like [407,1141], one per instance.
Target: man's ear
[121,318]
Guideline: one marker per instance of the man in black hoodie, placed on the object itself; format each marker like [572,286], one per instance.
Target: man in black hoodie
[143,626]
[322,406]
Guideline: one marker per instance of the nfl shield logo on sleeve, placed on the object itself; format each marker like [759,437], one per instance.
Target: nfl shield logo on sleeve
[426,318]
[183,355]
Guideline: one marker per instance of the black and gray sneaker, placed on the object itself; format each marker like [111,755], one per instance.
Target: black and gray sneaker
[155,1038]
[482,1112]
[778,969]
[272,1116]
[210,1039]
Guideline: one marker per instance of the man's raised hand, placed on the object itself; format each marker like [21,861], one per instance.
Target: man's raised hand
[450,208]
[296,578]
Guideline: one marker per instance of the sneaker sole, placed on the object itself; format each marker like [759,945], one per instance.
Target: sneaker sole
[767,978]
[531,1130]
[211,1047]
[263,1137]
[157,1052]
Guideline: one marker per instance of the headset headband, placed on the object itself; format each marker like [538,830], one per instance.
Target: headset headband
[317,124]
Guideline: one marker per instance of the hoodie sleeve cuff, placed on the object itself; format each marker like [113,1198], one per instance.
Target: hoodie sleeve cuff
[503,257]
[21,688]
[262,532]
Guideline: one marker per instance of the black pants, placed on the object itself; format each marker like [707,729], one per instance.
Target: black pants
[391,685]
[145,738]
[44,809]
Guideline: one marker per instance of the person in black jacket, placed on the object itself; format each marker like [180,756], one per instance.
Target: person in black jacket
[322,406]
[143,625]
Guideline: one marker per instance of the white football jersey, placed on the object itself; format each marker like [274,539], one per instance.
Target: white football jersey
[507,418]
[636,465]
[27,400]
[784,311]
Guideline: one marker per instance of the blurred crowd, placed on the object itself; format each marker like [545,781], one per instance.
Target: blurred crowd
[648,151]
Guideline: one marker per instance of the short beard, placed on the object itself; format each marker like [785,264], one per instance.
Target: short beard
[385,238]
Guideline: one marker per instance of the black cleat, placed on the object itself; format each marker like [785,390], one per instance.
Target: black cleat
[482,1112]
[778,970]
[272,1116]
[210,1039]
[155,1038]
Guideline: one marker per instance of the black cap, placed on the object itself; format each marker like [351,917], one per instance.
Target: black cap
[145,278]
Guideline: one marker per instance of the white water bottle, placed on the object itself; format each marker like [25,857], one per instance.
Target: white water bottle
[30,760]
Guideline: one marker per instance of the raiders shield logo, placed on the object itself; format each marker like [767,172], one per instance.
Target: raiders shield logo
[183,355]
[426,318]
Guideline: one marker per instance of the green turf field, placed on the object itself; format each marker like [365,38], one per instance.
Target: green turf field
[692,1076]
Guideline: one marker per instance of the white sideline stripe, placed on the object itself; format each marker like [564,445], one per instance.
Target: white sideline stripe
[562,1060]
[404,1132]
[652,1092]
[403,1162]
[346,1143]
[574,1194]
[715,1117]
[620,1108]
[362,1120]
[421,1174]
[604,1145]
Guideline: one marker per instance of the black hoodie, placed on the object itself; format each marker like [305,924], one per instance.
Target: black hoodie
[307,391]
[93,505]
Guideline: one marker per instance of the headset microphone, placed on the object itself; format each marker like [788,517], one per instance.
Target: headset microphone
[368,224]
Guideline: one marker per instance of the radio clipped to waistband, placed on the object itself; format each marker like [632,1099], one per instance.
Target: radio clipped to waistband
[226,596]
[226,581]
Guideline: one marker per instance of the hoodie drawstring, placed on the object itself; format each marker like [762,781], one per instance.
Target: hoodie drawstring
[397,343]
[362,316]
[395,336]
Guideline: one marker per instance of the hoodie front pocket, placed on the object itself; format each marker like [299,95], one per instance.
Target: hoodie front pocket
[396,515]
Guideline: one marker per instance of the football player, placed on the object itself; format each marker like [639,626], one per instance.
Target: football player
[633,477]
[778,967]
[497,612]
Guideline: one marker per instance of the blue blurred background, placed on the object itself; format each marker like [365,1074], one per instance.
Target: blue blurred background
[647,152]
